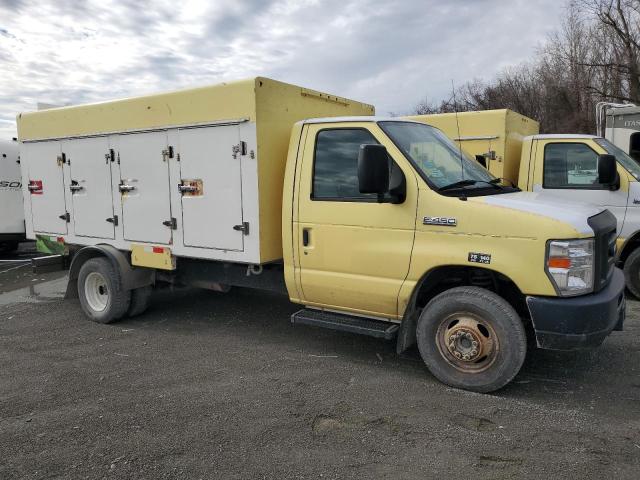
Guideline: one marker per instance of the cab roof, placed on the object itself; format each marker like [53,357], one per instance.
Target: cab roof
[367,118]
[548,136]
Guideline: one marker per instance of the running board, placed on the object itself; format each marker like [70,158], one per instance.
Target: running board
[345,323]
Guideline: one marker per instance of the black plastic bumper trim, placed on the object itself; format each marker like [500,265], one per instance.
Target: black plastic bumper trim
[562,323]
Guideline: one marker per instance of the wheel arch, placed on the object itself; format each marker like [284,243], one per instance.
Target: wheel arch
[131,277]
[445,277]
[629,245]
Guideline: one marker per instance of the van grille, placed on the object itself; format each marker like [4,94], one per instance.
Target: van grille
[604,229]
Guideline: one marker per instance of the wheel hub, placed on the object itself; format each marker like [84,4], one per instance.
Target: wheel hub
[464,344]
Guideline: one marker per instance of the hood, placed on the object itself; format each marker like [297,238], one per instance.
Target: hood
[572,213]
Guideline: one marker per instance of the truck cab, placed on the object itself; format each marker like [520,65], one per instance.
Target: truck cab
[571,168]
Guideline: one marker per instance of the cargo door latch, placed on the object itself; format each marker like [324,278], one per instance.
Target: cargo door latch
[172,224]
[66,217]
[243,227]
[113,220]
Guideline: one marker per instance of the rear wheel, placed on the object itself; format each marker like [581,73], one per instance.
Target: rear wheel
[632,273]
[100,290]
[471,338]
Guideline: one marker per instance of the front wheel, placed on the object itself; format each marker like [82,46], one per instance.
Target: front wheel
[100,290]
[632,273]
[471,338]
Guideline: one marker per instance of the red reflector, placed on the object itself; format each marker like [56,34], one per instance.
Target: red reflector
[158,250]
[60,239]
[559,262]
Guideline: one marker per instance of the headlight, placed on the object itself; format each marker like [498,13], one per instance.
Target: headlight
[570,266]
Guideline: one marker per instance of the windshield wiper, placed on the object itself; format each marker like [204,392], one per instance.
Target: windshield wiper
[495,183]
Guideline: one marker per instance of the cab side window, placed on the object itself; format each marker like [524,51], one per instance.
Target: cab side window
[335,169]
[570,165]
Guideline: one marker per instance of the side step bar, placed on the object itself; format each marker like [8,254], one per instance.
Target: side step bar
[345,323]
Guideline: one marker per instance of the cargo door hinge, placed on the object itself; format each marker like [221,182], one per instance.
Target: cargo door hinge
[172,224]
[243,227]
[66,217]
[239,149]
[62,159]
[113,220]
[110,156]
[167,153]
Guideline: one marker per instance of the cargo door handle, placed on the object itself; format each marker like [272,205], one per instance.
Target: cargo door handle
[243,227]
[187,188]
[74,187]
[172,224]
[305,237]
[113,220]
[126,188]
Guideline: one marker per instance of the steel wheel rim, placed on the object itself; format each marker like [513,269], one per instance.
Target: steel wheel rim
[96,291]
[467,342]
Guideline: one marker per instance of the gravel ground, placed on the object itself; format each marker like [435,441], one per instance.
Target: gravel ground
[208,385]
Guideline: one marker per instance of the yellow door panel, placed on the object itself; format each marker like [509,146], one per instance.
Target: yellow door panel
[354,253]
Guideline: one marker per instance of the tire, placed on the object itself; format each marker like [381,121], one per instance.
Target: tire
[100,290]
[139,301]
[8,247]
[632,273]
[470,338]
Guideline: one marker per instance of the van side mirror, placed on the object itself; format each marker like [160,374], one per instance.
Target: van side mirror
[373,169]
[607,172]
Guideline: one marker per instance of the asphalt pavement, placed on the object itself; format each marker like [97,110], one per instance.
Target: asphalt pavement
[212,385]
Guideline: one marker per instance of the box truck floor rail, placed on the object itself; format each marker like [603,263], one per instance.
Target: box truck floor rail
[376,226]
[12,230]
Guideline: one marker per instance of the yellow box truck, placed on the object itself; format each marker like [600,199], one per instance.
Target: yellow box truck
[376,226]
[562,168]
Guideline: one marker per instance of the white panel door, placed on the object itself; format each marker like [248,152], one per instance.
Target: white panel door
[90,185]
[144,187]
[213,207]
[46,186]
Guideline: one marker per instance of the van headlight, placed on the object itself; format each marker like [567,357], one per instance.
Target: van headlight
[570,266]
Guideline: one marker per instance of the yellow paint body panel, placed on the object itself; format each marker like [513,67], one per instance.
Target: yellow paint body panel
[500,131]
[273,106]
[144,256]
[367,258]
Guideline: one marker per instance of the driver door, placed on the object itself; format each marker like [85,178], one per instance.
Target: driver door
[351,253]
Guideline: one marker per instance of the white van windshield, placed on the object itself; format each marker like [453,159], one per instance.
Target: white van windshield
[628,163]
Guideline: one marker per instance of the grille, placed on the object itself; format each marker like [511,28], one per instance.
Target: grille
[604,229]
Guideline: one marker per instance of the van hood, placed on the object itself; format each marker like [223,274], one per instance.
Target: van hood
[573,213]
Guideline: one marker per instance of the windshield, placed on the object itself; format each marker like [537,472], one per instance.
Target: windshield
[438,158]
[629,164]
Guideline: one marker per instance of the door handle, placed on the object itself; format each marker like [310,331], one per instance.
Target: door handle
[74,187]
[305,237]
[126,188]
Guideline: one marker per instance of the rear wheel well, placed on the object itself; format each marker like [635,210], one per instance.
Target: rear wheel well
[444,278]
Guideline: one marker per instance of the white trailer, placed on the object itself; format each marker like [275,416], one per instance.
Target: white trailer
[622,128]
[12,229]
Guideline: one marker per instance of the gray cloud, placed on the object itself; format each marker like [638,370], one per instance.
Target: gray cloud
[390,53]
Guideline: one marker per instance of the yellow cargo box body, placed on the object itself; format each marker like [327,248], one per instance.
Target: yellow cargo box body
[495,134]
[264,112]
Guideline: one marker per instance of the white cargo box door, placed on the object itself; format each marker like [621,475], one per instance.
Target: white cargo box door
[90,184]
[144,187]
[46,186]
[211,185]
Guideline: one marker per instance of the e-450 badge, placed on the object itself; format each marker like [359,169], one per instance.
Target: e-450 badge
[443,221]
[479,257]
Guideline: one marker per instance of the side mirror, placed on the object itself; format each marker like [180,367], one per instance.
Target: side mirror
[373,169]
[607,172]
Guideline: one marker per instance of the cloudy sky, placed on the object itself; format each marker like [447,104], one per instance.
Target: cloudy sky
[390,53]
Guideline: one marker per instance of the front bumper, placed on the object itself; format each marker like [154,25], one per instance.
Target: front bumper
[562,323]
